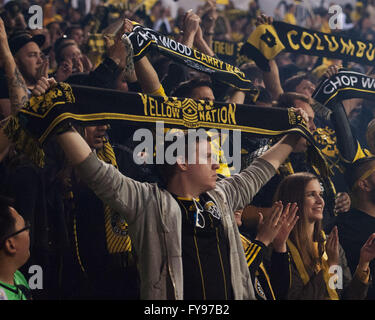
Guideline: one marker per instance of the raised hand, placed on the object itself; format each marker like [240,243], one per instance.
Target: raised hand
[191,24]
[42,85]
[16,84]
[367,253]
[342,202]
[332,247]
[86,63]
[263,19]
[302,113]
[77,65]
[128,26]
[268,228]
[121,51]
[64,70]
[43,69]
[331,71]
[279,242]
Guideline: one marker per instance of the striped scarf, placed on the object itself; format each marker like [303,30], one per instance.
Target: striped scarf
[332,293]
[116,229]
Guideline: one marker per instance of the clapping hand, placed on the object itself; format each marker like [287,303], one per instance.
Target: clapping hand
[279,243]
[269,227]
[332,247]
[367,253]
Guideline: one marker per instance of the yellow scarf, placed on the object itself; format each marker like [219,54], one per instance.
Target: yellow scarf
[116,229]
[302,270]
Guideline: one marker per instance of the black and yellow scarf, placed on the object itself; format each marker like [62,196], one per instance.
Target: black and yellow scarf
[332,293]
[267,41]
[143,39]
[116,228]
[330,93]
[344,85]
[45,115]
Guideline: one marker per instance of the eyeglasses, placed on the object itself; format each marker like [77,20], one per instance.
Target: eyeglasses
[199,219]
[27,227]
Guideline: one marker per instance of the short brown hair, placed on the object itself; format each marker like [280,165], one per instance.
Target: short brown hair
[166,171]
[287,99]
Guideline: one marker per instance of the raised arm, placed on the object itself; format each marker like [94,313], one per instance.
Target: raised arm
[144,71]
[74,146]
[147,77]
[271,79]
[193,34]
[209,17]
[16,84]
[125,195]
[241,188]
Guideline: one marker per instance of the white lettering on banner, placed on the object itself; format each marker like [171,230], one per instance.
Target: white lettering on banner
[345,81]
[368,83]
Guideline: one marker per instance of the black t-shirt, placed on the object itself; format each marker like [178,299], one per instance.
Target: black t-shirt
[205,251]
[354,229]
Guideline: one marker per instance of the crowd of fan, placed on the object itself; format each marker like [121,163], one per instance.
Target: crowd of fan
[283,224]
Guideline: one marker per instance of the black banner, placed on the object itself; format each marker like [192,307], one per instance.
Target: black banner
[267,41]
[43,116]
[344,85]
[144,39]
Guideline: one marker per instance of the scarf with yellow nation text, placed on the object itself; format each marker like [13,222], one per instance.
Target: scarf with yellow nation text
[267,41]
[44,116]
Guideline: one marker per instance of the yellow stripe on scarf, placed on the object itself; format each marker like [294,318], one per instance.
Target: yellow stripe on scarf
[116,229]
[303,273]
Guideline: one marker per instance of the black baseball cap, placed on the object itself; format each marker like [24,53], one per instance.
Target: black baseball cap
[18,40]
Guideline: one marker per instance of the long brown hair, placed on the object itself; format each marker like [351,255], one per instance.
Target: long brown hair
[292,189]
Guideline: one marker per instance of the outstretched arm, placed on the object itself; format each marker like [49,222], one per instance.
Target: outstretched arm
[271,79]
[127,196]
[144,71]
[16,84]
[74,146]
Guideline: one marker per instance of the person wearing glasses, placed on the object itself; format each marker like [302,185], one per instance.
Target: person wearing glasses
[14,253]
[184,232]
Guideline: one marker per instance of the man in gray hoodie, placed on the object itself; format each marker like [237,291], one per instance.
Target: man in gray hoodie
[171,227]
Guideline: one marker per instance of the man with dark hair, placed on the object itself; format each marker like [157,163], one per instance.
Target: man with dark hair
[75,32]
[203,89]
[14,253]
[253,73]
[359,223]
[196,89]
[185,235]
[25,49]
[301,83]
